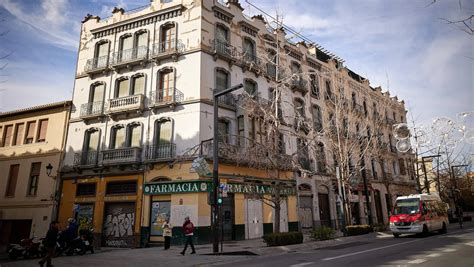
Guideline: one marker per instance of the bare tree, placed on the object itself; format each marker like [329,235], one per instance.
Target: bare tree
[463,23]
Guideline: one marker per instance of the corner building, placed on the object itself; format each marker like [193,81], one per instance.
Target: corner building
[143,111]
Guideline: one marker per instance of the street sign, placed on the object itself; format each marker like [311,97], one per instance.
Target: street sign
[201,166]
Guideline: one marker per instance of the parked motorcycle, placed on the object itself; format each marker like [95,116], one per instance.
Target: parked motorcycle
[69,247]
[87,236]
[28,248]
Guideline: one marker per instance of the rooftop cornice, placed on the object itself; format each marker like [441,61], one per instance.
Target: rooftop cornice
[36,108]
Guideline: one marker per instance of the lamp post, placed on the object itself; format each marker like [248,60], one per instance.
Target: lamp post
[427,184]
[215,171]
[49,169]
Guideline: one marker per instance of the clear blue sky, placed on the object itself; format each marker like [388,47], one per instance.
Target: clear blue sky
[402,45]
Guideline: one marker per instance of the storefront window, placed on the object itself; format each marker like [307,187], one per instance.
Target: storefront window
[160,211]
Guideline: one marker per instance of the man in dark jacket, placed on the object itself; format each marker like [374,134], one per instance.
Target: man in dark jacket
[49,243]
[188,229]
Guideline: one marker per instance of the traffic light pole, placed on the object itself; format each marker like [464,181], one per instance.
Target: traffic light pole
[215,170]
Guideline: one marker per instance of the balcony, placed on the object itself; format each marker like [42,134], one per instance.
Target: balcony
[97,65]
[92,110]
[166,97]
[224,50]
[130,57]
[127,155]
[299,84]
[171,48]
[161,152]
[271,70]
[86,159]
[227,99]
[126,104]
[251,61]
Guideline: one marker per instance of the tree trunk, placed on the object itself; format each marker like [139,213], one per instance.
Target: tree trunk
[277,202]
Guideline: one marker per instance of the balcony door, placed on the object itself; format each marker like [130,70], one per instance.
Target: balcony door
[141,45]
[101,55]
[138,85]
[96,96]
[126,48]
[118,138]
[163,134]
[91,145]
[122,88]
[168,38]
[166,86]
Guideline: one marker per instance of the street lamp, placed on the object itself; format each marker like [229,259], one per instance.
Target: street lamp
[427,185]
[215,170]
[49,168]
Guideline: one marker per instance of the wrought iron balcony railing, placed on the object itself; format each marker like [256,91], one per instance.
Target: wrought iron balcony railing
[299,84]
[167,48]
[130,55]
[166,96]
[87,158]
[161,152]
[227,99]
[126,103]
[92,109]
[96,64]
[121,155]
[223,48]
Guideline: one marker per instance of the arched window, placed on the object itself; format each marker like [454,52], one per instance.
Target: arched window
[122,87]
[250,87]
[295,68]
[168,37]
[222,79]
[321,158]
[117,137]
[166,84]
[373,164]
[303,154]
[272,63]
[138,84]
[162,145]
[354,100]
[222,33]
[317,118]
[90,147]
[134,135]
[223,131]
[101,55]
[329,95]
[96,93]
[125,47]
[364,105]
[314,85]
[141,44]
[249,50]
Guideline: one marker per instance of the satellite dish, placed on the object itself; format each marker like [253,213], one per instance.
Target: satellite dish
[401,131]
[403,145]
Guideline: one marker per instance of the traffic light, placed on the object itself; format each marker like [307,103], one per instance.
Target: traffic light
[219,198]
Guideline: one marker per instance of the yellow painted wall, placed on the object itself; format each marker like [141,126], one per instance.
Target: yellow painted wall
[267,212]
[239,209]
[68,198]
[292,209]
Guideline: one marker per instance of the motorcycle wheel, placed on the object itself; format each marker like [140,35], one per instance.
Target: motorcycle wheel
[13,256]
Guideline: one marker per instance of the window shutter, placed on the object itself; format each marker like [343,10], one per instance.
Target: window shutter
[221,80]
[222,34]
[8,135]
[142,39]
[119,137]
[93,141]
[35,168]
[127,43]
[43,127]
[139,85]
[165,132]
[19,134]
[30,132]
[136,136]
[103,50]
[123,88]
[98,93]
[12,180]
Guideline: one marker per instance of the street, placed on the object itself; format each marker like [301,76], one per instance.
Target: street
[453,249]
[377,249]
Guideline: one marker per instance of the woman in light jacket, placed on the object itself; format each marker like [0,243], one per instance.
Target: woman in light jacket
[167,232]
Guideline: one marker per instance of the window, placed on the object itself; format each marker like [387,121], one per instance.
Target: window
[395,169]
[374,106]
[299,107]
[7,135]
[12,179]
[125,47]
[354,100]
[364,105]
[19,131]
[122,87]
[222,79]
[168,37]
[163,132]
[271,65]
[328,91]
[96,93]
[250,87]
[374,169]
[141,44]
[249,50]
[91,145]
[122,187]
[314,85]
[222,33]
[101,54]
[166,84]
[117,139]
[223,130]
[87,189]
[401,164]
[34,177]
[295,68]
[134,135]
[317,118]
[281,143]
[138,84]
[303,156]
[321,158]
[345,127]
[241,129]
[43,127]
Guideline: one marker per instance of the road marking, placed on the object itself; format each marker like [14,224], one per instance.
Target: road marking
[449,250]
[418,261]
[470,244]
[302,264]
[370,250]
[432,255]
[384,247]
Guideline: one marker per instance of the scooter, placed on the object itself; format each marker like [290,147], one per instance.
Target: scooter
[28,248]
[69,247]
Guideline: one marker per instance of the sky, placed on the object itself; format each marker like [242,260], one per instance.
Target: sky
[404,46]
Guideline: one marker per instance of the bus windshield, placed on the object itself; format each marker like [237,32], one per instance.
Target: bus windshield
[407,206]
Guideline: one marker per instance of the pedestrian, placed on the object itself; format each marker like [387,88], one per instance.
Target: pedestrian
[188,229]
[49,243]
[167,232]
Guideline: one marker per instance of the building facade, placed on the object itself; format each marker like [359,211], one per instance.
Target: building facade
[143,111]
[30,140]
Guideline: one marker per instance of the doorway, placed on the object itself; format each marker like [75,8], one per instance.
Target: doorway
[228,215]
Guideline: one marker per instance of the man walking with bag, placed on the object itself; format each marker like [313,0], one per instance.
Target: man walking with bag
[49,243]
[188,229]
